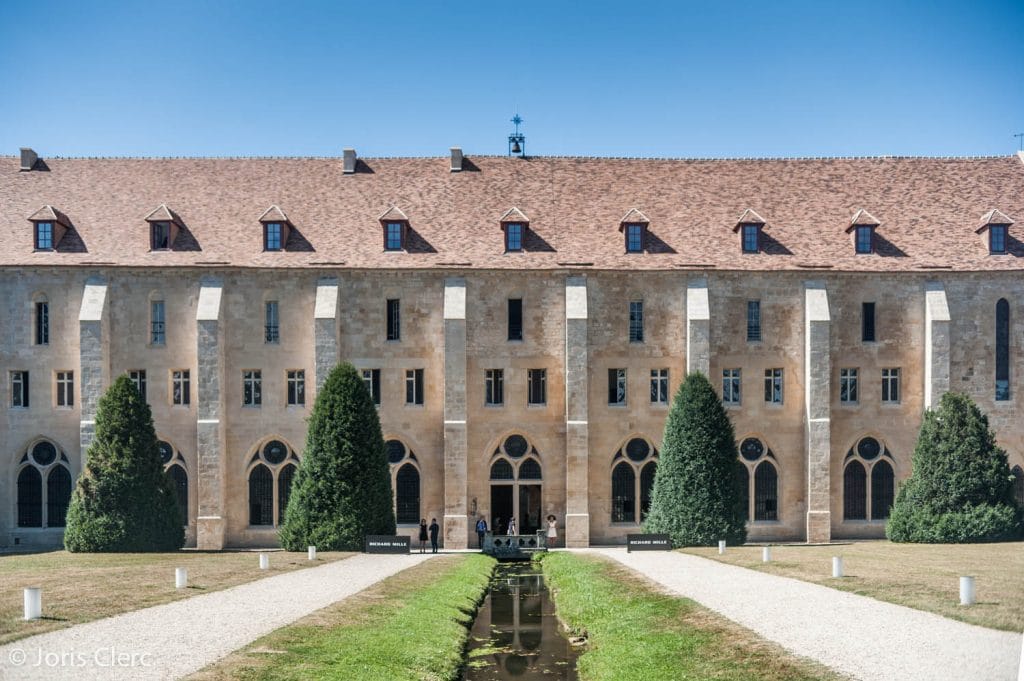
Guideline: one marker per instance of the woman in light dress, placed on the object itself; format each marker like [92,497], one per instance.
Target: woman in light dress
[552,530]
[512,527]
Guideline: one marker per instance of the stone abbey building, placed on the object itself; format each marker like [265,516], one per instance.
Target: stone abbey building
[522,323]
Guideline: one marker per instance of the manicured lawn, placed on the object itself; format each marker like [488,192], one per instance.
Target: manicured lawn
[79,587]
[635,631]
[922,576]
[411,626]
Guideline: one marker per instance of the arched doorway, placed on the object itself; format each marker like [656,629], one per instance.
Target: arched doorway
[516,486]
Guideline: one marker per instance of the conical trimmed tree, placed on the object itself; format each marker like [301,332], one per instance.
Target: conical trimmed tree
[124,501]
[695,499]
[342,490]
[961,488]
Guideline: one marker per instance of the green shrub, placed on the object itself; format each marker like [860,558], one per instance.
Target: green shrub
[695,499]
[342,490]
[961,489]
[123,501]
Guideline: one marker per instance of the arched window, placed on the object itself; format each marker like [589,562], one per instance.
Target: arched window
[766,492]
[284,489]
[1002,350]
[882,490]
[623,494]
[501,470]
[1018,484]
[855,492]
[261,496]
[30,497]
[180,480]
[529,470]
[742,474]
[58,496]
[407,495]
[646,487]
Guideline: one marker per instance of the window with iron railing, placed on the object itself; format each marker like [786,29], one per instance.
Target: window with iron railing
[272,327]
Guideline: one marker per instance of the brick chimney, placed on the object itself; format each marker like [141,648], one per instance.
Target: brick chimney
[456,159]
[350,161]
[28,159]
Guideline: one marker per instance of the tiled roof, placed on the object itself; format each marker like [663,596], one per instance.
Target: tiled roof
[929,207]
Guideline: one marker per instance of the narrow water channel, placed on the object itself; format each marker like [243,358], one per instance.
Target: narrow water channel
[516,633]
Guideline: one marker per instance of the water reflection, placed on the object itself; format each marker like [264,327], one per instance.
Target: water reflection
[516,633]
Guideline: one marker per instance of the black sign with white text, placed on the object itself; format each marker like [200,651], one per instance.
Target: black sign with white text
[648,542]
[386,544]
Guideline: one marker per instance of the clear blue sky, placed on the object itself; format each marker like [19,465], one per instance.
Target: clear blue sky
[590,78]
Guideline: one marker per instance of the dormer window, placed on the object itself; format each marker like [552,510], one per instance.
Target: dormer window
[634,225]
[865,238]
[44,236]
[513,236]
[514,223]
[275,229]
[862,226]
[749,226]
[272,236]
[395,224]
[48,228]
[161,236]
[997,239]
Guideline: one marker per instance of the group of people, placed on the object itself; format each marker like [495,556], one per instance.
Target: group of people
[431,531]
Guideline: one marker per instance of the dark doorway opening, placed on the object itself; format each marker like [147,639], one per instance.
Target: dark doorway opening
[501,508]
[529,508]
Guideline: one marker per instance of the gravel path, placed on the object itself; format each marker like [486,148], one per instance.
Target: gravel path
[859,636]
[172,640]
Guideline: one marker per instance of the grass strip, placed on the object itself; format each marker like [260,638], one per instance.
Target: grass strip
[634,631]
[413,625]
[81,587]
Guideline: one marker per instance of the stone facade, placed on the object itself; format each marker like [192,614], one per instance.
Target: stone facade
[937,329]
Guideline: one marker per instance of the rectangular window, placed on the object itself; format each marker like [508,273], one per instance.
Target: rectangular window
[750,239]
[634,238]
[65,388]
[156,322]
[138,377]
[773,386]
[296,387]
[848,386]
[161,232]
[515,319]
[19,389]
[272,236]
[513,236]
[252,388]
[44,236]
[273,328]
[997,238]
[731,386]
[494,387]
[864,239]
[414,386]
[867,322]
[42,323]
[659,386]
[394,236]
[394,314]
[371,378]
[537,386]
[181,387]
[890,385]
[616,386]
[636,321]
[753,320]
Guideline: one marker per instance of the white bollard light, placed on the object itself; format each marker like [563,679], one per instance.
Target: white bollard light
[180,578]
[264,561]
[33,603]
[721,546]
[967,591]
[311,551]
[766,554]
[1020,670]
[837,566]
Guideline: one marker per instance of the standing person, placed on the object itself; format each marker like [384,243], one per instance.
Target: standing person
[512,527]
[423,535]
[434,529]
[552,531]
[481,530]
